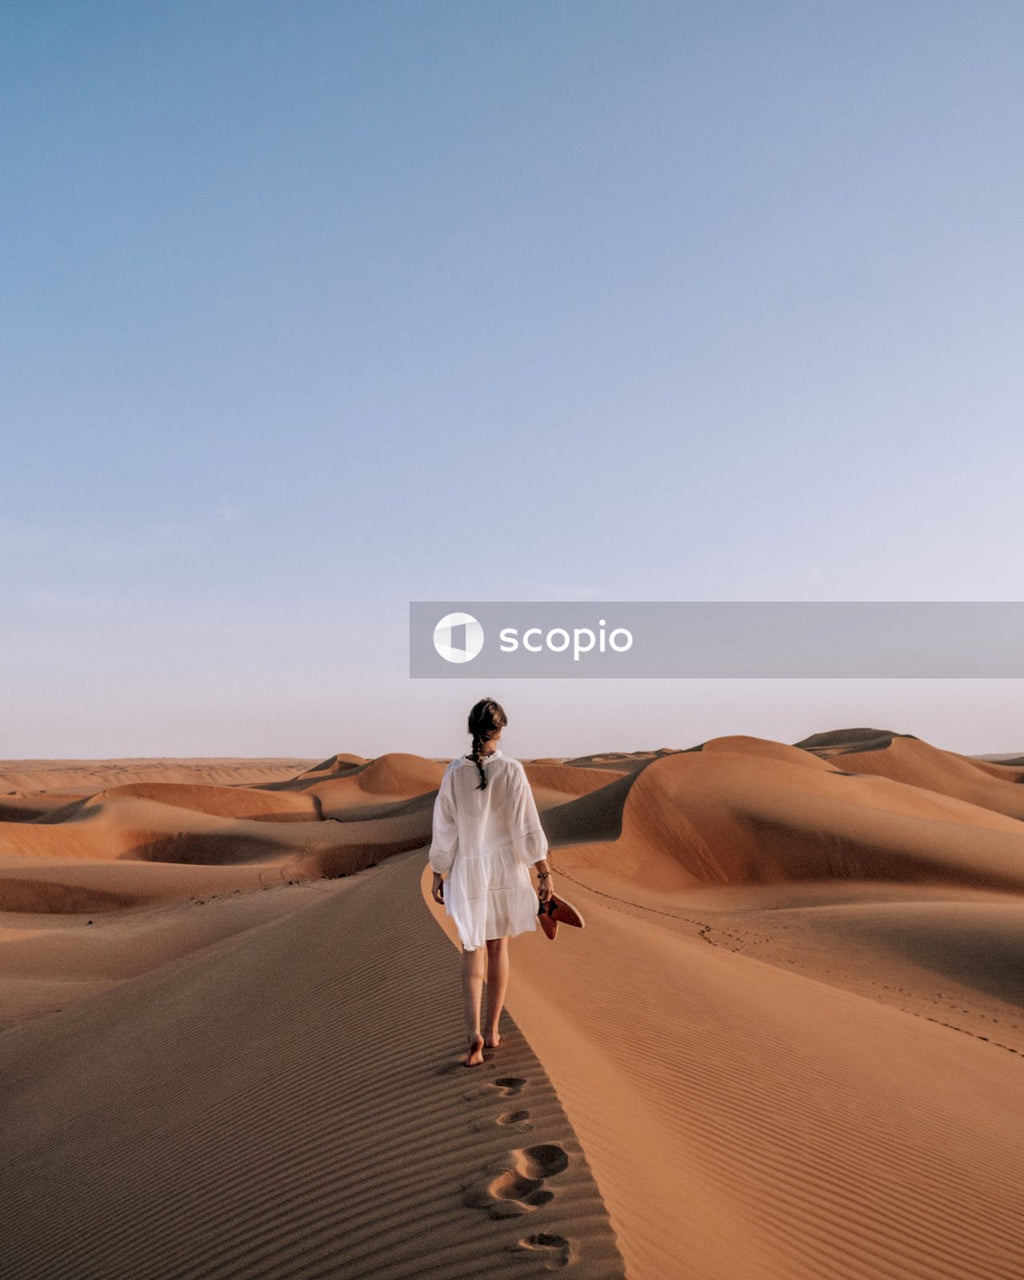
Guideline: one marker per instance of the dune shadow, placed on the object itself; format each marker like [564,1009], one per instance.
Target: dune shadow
[58,897]
[985,955]
[346,860]
[596,816]
[203,848]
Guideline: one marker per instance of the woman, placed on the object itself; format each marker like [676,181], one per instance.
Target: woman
[486,836]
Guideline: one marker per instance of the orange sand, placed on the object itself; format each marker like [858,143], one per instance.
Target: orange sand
[787,1044]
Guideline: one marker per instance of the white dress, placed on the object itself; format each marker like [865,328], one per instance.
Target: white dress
[485,842]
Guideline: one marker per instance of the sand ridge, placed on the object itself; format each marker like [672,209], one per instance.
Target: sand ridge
[250,1110]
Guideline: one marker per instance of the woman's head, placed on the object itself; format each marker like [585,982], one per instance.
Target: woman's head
[486,721]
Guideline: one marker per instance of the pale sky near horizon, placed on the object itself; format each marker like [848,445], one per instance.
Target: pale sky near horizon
[310,310]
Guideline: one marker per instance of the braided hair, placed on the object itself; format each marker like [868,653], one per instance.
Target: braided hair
[486,718]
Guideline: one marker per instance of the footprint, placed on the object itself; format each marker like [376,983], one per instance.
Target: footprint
[556,1249]
[513,1194]
[512,1117]
[515,1184]
[541,1162]
[514,1121]
[507,1086]
[505,1196]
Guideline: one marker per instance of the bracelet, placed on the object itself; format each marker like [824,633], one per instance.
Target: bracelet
[543,875]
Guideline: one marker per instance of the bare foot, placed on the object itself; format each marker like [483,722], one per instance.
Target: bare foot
[493,1040]
[476,1053]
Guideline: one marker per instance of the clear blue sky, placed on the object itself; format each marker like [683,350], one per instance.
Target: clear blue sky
[309,310]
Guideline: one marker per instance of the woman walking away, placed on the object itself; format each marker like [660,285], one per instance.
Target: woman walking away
[486,836]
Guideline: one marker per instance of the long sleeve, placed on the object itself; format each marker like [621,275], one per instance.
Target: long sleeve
[528,838]
[445,838]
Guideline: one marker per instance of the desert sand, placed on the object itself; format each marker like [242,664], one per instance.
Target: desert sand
[788,1043]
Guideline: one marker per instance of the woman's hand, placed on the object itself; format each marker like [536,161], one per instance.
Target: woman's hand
[544,886]
[437,888]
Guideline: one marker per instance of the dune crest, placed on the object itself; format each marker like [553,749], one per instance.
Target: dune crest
[738,817]
[908,759]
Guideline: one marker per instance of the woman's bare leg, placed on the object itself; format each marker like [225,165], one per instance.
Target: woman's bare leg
[473,968]
[497,986]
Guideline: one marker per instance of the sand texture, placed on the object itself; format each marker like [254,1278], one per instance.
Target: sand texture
[788,1044]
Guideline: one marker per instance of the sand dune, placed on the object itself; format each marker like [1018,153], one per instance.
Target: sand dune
[225,802]
[196,823]
[739,816]
[1002,760]
[786,1046]
[375,789]
[745,1119]
[84,777]
[908,759]
[249,1110]
[766,747]
[597,815]
[126,826]
[340,763]
[398,774]
[147,831]
[619,760]
[555,784]
[16,807]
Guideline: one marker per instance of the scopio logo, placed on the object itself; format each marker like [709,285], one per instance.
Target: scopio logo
[458,637]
